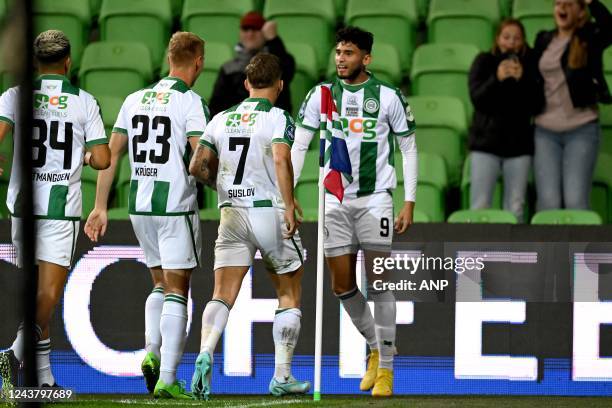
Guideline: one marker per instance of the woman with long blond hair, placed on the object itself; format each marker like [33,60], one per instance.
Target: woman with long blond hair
[571,79]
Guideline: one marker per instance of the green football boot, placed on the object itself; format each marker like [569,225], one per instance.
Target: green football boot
[150,370]
[200,382]
[290,387]
[171,391]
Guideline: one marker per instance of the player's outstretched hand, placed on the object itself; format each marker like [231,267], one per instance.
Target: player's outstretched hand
[291,222]
[95,227]
[404,219]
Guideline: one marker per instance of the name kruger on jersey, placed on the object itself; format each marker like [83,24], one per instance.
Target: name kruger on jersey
[237,193]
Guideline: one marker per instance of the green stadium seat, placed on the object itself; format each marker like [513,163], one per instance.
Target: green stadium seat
[300,21]
[536,15]
[392,22]
[441,130]
[73,17]
[215,20]
[6,78]
[385,64]
[89,178]
[217,54]
[3,9]
[148,22]
[122,187]
[601,191]
[486,216]
[306,73]
[110,107]
[607,62]
[463,21]
[566,217]
[497,202]
[431,185]
[210,210]
[417,216]
[177,8]
[120,213]
[340,8]
[505,8]
[605,119]
[6,152]
[423,9]
[307,194]
[94,7]
[442,70]
[115,69]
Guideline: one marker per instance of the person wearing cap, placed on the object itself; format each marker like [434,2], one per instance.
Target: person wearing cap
[256,35]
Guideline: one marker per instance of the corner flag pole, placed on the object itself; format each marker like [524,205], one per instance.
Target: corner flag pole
[320,266]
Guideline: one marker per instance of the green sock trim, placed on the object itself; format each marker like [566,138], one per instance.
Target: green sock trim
[175,298]
[157,290]
[223,302]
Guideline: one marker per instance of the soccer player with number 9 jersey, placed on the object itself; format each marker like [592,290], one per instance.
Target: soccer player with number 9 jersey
[375,116]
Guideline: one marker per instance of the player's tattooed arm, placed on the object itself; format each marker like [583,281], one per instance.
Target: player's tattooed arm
[203,166]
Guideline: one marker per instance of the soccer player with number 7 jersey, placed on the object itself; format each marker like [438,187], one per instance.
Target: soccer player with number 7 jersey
[161,125]
[67,132]
[374,116]
[245,154]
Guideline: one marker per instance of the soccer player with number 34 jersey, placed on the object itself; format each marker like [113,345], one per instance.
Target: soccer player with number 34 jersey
[67,132]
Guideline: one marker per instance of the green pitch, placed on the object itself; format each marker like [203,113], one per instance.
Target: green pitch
[231,401]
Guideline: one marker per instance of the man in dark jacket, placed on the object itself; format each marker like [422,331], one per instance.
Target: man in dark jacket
[256,35]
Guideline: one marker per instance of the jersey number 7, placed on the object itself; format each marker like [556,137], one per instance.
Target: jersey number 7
[234,142]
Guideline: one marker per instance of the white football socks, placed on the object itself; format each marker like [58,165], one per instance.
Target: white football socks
[173,324]
[384,316]
[153,311]
[43,364]
[18,346]
[214,320]
[285,330]
[357,308]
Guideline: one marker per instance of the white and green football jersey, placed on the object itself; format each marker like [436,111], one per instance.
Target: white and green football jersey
[66,121]
[373,114]
[242,138]
[158,122]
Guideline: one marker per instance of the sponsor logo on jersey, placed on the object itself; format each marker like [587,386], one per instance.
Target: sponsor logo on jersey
[351,111]
[370,105]
[352,100]
[240,119]
[42,101]
[360,126]
[152,97]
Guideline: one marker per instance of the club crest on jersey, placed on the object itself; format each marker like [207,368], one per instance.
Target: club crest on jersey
[42,101]
[409,114]
[152,97]
[370,105]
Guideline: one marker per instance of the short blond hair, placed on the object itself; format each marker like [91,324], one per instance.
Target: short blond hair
[184,47]
[51,47]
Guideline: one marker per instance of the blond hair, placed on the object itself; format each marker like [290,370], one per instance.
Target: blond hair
[51,47]
[184,47]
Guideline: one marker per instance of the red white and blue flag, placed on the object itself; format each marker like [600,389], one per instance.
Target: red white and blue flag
[334,155]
